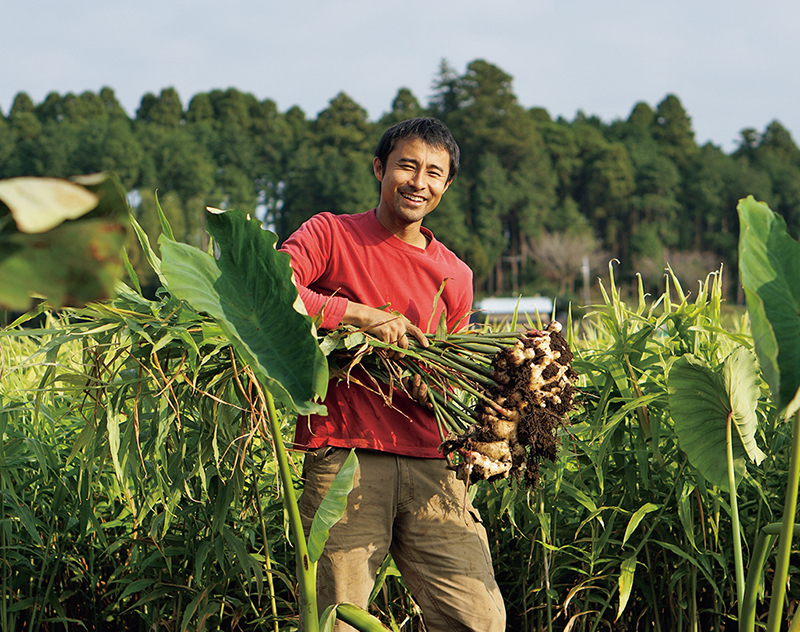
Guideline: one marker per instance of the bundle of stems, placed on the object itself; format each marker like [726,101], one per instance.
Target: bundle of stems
[457,368]
[498,398]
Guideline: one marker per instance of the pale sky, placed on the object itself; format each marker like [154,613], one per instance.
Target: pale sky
[732,63]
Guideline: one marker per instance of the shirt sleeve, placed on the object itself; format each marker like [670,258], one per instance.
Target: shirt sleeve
[310,249]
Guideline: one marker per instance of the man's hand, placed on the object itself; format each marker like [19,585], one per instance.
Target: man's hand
[384,326]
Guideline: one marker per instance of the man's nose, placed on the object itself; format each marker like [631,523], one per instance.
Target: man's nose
[418,180]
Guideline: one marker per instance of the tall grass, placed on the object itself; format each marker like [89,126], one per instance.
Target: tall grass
[139,491]
[624,533]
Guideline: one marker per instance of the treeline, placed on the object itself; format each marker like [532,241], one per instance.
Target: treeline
[536,199]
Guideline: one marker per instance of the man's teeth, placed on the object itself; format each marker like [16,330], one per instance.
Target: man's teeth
[413,198]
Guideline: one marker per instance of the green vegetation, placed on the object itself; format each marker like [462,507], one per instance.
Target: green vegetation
[34,228]
[535,195]
[140,489]
[144,483]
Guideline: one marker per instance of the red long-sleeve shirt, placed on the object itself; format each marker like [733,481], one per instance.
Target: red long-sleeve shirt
[337,258]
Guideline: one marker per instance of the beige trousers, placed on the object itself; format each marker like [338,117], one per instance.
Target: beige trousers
[413,508]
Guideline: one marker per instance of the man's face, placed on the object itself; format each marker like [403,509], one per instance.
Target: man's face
[413,181]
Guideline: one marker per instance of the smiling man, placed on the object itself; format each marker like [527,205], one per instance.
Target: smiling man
[413,178]
[365,270]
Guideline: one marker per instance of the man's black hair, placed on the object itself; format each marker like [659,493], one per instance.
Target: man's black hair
[430,130]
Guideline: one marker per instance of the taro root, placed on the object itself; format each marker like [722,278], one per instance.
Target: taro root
[533,394]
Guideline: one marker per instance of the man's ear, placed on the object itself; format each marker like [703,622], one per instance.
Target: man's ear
[377,168]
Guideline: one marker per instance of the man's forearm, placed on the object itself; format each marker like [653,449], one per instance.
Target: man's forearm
[332,308]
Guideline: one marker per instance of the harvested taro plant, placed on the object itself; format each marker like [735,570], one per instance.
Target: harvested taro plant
[499,397]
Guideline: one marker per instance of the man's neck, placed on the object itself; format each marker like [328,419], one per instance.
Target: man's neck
[409,233]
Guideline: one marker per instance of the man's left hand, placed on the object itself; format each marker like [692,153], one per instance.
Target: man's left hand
[418,390]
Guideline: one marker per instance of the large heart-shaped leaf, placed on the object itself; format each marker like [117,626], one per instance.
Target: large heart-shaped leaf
[60,240]
[742,384]
[249,292]
[700,402]
[769,268]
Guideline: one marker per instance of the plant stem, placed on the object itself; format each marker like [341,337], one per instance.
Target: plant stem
[4,595]
[306,569]
[267,561]
[656,616]
[358,618]
[442,363]
[447,414]
[546,565]
[693,600]
[785,539]
[481,371]
[737,538]
[747,615]
[482,346]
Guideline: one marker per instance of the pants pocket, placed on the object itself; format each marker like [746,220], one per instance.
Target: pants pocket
[325,455]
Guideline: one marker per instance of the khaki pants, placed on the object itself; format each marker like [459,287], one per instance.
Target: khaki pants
[413,508]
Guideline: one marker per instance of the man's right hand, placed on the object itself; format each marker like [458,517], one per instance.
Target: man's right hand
[386,327]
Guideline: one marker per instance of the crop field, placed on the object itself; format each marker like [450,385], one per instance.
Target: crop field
[140,490]
[145,481]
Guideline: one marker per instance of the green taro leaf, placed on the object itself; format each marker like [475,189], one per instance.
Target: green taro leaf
[742,383]
[59,244]
[769,269]
[40,204]
[250,294]
[700,401]
[332,507]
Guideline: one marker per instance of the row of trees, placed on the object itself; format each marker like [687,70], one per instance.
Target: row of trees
[536,197]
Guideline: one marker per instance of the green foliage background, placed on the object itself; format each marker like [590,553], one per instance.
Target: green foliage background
[638,189]
[137,486]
